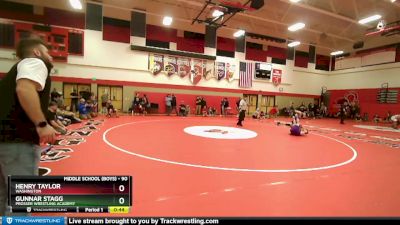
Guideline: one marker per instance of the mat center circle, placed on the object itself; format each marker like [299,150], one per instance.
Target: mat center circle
[220,132]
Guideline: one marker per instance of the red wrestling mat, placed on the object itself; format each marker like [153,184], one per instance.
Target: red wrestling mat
[337,170]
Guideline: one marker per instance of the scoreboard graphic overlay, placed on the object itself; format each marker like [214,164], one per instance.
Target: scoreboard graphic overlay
[86,194]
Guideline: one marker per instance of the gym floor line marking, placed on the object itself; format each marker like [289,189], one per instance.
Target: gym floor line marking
[226,168]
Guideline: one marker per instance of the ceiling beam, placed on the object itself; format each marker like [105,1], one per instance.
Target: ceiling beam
[312,8]
[355,8]
[286,25]
[332,6]
[286,12]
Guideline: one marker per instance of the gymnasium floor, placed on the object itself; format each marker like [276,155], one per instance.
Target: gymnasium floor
[255,170]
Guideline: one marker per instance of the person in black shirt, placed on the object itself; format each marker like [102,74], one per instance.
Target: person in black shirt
[53,120]
[173,104]
[136,107]
[198,105]
[342,113]
[25,93]
[112,112]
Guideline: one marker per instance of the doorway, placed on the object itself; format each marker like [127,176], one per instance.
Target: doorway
[114,93]
[252,101]
[71,94]
[267,103]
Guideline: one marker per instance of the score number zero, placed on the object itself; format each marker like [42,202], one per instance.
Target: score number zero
[121,188]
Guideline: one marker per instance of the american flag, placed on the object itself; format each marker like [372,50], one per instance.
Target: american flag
[246,72]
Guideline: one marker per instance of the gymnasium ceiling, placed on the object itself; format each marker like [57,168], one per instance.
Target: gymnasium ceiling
[330,24]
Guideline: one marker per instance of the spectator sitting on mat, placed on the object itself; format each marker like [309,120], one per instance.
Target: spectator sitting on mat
[53,120]
[377,119]
[256,114]
[358,117]
[82,108]
[262,115]
[111,111]
[182,109]
[273,112]
[211,111]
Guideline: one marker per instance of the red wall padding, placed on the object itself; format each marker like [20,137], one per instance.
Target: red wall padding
[226,44]
[51,16]
[164,34]
[69,19]
[190,45]
[398,54]
[256,55]
[367,99]
[116,33]
[213,101]
[301,61]
[322,60]
[21,16]
[276,52]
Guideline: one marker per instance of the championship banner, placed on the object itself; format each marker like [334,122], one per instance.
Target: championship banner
[230,71]
[196,71]
[183,67]
[220,70]
[171,65]
[156,63]
[276,76]
[209,70]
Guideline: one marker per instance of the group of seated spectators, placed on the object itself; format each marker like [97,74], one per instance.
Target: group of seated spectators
[57,115]
[310,111]
[140,104]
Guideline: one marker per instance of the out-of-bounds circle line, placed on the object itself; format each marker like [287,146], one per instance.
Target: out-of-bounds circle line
[227,168]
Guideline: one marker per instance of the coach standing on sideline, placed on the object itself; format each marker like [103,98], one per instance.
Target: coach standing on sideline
[24,96]
[242,111]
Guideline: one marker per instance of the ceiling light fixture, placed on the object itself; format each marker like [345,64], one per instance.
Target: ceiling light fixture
[295,1]
[294,44]
[296,27]
[76,4]
[217,13]
[167,20]
[337,53]
[370,19]
[239,33]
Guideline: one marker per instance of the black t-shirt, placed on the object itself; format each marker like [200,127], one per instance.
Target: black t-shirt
[15,125]
[51,116]
[136,101]
[85,95]
[110,106]
[173,102]
[198,101]
[226,104]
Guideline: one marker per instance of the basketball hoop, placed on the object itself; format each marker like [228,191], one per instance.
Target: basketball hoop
[236,5]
